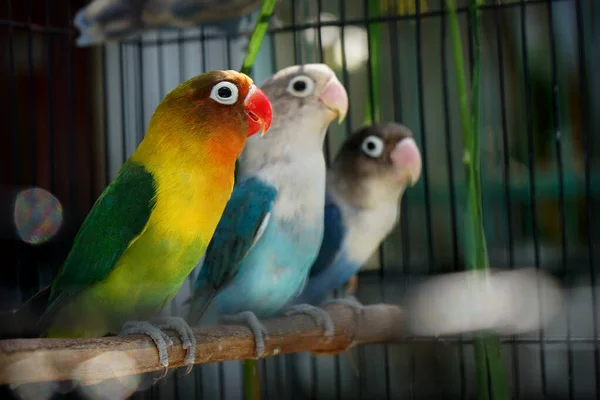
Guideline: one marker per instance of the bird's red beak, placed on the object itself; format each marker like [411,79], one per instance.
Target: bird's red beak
[258,111]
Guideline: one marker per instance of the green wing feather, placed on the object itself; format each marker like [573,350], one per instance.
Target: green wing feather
[119,216]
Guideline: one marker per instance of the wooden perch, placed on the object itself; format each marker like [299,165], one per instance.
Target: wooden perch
[91,361]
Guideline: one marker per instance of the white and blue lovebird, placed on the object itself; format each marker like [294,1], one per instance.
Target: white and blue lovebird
[365,184]
[271,230]
[112,20]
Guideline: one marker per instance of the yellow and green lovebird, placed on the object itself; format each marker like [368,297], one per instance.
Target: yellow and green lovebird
[151,225]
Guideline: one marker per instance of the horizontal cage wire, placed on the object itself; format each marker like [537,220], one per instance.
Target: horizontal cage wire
[75,114]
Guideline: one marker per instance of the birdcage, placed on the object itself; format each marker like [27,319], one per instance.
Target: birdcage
[75,114]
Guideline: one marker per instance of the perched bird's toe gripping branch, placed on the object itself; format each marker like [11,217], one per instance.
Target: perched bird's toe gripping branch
[320,316]
[352,303]
[163,341]
[258,329]
[160,339]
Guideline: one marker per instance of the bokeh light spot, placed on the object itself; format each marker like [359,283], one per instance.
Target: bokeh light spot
[38,215]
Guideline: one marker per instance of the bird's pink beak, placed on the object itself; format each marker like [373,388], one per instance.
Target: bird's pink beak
[407,161]
[335,98]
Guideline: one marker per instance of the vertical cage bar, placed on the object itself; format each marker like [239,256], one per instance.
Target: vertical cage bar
[105,116]
[141,117]
[451,182]
[72,146]
[561,185]
[423,129]
[13,115]
[123,103]
[32,118]
[422,126]
[91,119]
[404,206]
[531,165]
[345,75]
[297,49]
[506,181]
[375,118]
[587,145]
[32,122]
[203,48]
[50,69]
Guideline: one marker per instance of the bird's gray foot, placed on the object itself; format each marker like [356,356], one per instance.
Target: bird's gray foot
[160,339]
[188,339]
[320,316]
[258,329]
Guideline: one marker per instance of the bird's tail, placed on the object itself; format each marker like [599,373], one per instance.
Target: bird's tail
[199,302]
[23,321]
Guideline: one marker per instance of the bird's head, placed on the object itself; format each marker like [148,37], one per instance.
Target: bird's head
[217,109]
[378,161]
[306,99]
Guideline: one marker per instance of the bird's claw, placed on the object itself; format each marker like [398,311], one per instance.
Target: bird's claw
[321,317]
[188,339]
[188,369]
[161,376]
[160,339]
[258,329]
[351,302]
[163,341]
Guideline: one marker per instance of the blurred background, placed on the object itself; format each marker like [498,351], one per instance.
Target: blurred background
[72,115]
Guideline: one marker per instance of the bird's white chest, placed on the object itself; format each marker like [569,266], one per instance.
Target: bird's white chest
[365,229]
[300,189]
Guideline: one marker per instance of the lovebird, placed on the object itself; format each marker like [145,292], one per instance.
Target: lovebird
[365,184]
[112,20]
[152,224]
[272,227]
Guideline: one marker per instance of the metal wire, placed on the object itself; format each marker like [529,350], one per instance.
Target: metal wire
[561,184]
[506,182]
[581,50]
[531,165]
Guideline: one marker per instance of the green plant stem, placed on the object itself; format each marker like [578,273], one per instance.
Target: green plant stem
[488,350]
[251,381]
[258,34]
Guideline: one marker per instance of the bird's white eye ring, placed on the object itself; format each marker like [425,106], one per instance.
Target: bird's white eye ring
[301,86]
[372,146]
[225,93]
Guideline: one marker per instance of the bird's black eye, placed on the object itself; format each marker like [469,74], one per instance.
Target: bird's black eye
[224,92]
[372,146]
[299,86]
